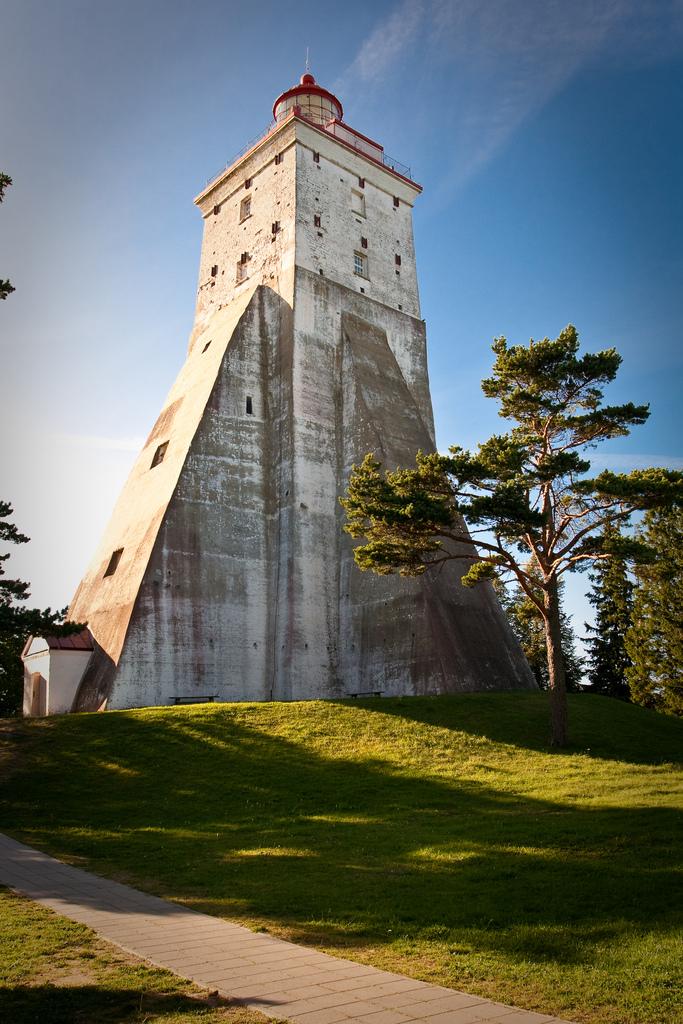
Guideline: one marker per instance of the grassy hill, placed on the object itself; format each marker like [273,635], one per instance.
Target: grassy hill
[439,837]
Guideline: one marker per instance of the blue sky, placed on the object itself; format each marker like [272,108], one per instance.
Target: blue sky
[547,137]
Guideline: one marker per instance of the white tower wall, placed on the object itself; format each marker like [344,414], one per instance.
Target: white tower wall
[235,580]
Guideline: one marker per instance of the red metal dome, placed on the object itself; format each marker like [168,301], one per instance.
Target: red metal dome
[313,102]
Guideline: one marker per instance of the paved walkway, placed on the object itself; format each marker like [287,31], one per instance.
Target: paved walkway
[278,978]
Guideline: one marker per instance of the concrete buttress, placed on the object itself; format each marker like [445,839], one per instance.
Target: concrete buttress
[224,573]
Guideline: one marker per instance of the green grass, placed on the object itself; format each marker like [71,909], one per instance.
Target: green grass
[58,972]
[439,837]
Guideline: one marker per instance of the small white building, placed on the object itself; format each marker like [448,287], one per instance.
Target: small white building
[53,668]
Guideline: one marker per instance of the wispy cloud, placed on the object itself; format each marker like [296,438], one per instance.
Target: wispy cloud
[386,44]
[480,68]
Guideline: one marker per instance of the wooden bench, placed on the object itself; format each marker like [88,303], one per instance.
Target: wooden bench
[209,698]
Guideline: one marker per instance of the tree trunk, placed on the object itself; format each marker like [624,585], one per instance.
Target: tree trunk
[559,736]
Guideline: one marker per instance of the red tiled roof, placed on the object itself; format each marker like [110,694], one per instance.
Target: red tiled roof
[74,642]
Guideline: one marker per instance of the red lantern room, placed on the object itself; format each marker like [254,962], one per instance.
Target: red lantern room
[311,101]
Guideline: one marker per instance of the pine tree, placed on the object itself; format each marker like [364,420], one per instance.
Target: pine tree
[5,287]
[527,625]
[654,641]
[17,623]
[612,597]
[523,495]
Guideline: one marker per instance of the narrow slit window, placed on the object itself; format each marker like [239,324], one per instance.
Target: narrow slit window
[245,208]
[250,406]
[279,158]
[275,227]
[316,221]
[316,158]
[358,203]
[247,182]
[214,270]
[360,264]
[205,347]
[397,259]
[114,562]
[361,183]
[159,455]
[397,201]
[364,243]
[243,267]
[216,210]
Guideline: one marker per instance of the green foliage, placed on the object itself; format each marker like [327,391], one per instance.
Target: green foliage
[18,623]
[439,837]
[654,641]
[532,511]
[528,626]
[612,597]
[5,287]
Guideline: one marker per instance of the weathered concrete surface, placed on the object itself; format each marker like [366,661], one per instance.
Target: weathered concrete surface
[106,603]
[353,361]
[270,256]
[204,620]
[236,581]
[249,591]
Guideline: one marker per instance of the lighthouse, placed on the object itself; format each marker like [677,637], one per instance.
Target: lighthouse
[224,573]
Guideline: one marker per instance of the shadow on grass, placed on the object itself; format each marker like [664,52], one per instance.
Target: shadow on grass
[87,1004]
[599,726]
[234,820]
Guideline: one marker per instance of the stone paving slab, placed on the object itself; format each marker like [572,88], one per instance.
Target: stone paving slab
[279,978]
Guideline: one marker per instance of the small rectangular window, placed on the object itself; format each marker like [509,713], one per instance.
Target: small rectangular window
[358,203]
[250,406]
[245,208]
[316,221]
[279,158]
[247,182]
[275,227]
[216,210]
[364,243]
[241,272]
[316,158]
[360,264]
[159,455]
[397,259]
[114,562]
[214,270]
[397,201]
[244,258]
[361,183]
